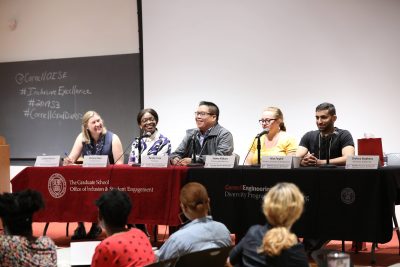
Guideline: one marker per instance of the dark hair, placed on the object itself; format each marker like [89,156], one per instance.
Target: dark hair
[212,107]
[16,210]
[144,111]
[327,106]
[114,207]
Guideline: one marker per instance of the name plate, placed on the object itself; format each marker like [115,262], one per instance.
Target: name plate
[276,162]
[95,161]
[219,162]
[362,162]
[150,161]
[47,161]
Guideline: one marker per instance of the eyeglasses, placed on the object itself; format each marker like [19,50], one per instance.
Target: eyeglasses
[261,121]
[148,120]
[202,114]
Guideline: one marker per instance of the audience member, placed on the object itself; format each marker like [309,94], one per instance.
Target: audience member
[122,247]
[209,137]
[276,142]
[94,140]
[202,232]
[273,244]
[18,246]
[151,141]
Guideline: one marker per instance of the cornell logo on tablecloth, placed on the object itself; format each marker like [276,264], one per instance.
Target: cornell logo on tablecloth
[57,185]
[348,195]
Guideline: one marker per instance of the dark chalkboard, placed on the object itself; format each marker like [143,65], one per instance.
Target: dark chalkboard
[42,102]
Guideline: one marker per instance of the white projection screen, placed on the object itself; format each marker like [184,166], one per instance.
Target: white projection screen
[247,55]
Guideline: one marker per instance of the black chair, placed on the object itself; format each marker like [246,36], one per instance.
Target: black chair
[214,257]
[165,263]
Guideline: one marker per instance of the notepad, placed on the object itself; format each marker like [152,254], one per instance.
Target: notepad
[82,252]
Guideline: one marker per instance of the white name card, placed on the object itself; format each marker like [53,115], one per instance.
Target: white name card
[95,161]
[219,162]
[154,161]
[276,162]
[362,162]
[47,161]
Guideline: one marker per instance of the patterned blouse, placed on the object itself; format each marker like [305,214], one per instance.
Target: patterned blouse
[156,144]
[18,251]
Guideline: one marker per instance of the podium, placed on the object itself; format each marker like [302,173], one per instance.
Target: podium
[4,166]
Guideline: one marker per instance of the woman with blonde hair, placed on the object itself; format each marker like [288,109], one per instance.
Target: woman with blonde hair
[94,140]
[275,141]
[273,244]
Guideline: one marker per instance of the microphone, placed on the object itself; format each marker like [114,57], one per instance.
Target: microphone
[266,131]
[194,146]
[123,153]
[144,135]
[194,162]
[328,142]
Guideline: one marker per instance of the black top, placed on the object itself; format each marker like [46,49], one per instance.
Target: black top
[335,142]
[245,253]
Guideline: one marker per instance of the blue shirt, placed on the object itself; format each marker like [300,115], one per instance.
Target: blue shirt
[199,234]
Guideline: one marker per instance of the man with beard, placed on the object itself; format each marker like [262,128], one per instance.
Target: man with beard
[315,145]
[209,138]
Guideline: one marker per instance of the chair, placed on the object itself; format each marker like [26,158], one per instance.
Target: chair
[165,263]
[214,257]
[320,257]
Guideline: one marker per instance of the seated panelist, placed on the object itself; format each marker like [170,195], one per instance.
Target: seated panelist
[151,141]
[209,138]
[94,140]
[274,140]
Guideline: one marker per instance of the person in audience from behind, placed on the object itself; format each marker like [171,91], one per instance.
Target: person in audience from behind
[313,145]
[201,232]
[123,247]
[210,137]
[273,244]
[276,142]
[151,141]
[18,246]
[94,140]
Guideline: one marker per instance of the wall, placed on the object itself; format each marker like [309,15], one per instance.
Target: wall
[61,29]
[247,55]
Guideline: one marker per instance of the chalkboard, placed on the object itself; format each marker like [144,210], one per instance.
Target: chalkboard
[42,102]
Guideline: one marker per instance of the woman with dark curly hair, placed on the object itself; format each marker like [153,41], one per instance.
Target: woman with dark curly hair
[18,246]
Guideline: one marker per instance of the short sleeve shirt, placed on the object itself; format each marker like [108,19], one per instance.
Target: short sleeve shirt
[319,146]
[125,249]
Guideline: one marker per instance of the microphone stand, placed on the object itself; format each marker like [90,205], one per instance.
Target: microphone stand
[194,162]
[258,150]
[328,142]
[140,150]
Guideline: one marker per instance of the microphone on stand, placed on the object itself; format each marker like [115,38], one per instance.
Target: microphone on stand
[194,162]
[266,131]
[328,142]
[146,134]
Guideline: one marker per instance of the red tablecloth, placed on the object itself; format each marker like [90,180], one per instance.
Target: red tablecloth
[69,192]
